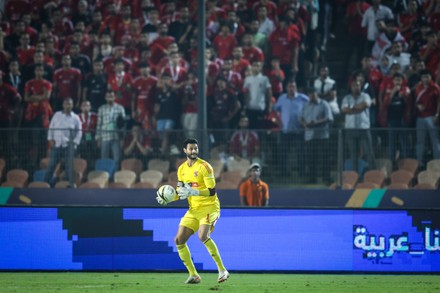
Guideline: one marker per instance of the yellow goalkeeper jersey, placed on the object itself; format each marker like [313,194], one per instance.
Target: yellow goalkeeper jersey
[201,177]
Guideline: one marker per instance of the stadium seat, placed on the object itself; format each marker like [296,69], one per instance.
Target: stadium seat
[344,186]
[62,184]
[14,184]
[39,175]
[224,184]
[179,162]
[242,166]
[44,163]
[348,166]
[18,175]
[218,166]
[402,176]
[424,186]
[428,177]
[90,185]
[366,185]
[433,166]
[127,177]
[160,165]
[100,177]
[143,185]
[172,178]
[350,177]
[408,164]
[38,184]
[384,165]
[375,176]
[133,164]
[107,165]
[153,176]
[233,177]
[397,186]
[117,185]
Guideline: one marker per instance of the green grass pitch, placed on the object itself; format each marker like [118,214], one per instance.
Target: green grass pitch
[241,283]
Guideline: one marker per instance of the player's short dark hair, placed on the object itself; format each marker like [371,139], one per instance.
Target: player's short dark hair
[190,141]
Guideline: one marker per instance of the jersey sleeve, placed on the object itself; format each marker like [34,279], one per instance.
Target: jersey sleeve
[208,175]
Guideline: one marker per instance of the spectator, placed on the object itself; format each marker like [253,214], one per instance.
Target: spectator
[29,70]
[388,35]
[254,191]
[95,86]
[396,55]
[36,95]
[259,39]
[427,95]
[316,118]
[121,82]
[110,117]
[182,29]
[189,106]
[64,136]
[104,48]
[257,96]
[14,77]
[267,26]
[234,79]
[276,77]
[395,114]
[160,44]
[290,105]
[430,53]
[224,42]
[89,120]
[375,12]
[241,64]
[25,51]
[357,124]
[67,84]
[285,45]
[235,27]
[137,144]
[10,101]
[152,25]
[245,143]
[79,61]
[166,112]
[356,33]
[250,51]
[223,106]
[144,90]
[326,89]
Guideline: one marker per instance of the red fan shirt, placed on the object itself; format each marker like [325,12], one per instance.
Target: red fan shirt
[67,82]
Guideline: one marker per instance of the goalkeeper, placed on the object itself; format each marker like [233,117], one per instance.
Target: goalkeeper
[196,182]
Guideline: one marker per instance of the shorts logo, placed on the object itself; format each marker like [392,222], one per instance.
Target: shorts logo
[196,173]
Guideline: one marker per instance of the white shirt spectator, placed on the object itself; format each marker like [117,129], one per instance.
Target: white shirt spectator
[323,87]
[266,27]
[64,127]
[257,86]
[370,17]
[360,120]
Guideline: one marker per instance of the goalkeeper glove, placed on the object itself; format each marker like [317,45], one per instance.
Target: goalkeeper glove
[186,190]
[160,200]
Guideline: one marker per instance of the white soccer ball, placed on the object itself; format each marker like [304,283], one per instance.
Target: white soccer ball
[167,193]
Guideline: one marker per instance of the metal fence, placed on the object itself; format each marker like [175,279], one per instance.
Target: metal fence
[287,160]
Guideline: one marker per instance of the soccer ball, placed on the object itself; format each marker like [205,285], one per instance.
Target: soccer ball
[167,193]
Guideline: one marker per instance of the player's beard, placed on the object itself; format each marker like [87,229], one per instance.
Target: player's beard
[192,156]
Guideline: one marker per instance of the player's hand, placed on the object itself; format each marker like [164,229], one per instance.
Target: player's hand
[161,201]
[186,190]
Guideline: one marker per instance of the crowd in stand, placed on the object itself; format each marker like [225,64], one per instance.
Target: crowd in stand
[261,58]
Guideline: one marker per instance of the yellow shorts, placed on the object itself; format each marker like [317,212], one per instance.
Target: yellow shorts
[204,216]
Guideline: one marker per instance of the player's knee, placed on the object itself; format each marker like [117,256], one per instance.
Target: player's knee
[203,237]
[179,240]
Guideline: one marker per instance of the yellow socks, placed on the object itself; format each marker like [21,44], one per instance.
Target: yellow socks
[213,251]
[185,256]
